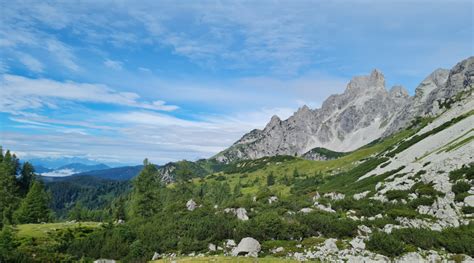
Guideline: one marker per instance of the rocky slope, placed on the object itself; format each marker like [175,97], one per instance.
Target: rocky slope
[364,112]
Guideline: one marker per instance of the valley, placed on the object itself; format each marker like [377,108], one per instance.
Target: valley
[403,193]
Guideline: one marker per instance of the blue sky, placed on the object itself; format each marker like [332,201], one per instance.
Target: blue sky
[118,81]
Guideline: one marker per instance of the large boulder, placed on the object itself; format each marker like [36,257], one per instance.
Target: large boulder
[248,246]
[103,260]
[469,200]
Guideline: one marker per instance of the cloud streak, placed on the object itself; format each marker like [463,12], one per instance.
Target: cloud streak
[21,93]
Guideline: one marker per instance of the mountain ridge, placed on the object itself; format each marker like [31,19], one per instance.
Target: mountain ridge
[366,111]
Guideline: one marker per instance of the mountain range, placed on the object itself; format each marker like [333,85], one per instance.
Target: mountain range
[366,111]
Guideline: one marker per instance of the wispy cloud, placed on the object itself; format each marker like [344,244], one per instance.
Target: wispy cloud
[21,93]
[113,64]
[30,62]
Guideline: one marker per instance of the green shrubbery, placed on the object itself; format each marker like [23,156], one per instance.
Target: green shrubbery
[397,194]
[327,224]
[455,240]
[460,190]
[385,244]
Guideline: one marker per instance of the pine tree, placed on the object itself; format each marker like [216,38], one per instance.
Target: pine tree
[27,176]
[34,208]
[8,191]
[145,191]
[270,179]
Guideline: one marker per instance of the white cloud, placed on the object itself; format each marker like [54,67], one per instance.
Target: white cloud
[62,53]
[113,64]
[20,93]
[30,62]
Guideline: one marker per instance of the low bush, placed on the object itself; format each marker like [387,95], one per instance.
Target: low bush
[468,210]
[426,201]
[385,244]
[397,194]
[328,225]
[419,237]
[461,187]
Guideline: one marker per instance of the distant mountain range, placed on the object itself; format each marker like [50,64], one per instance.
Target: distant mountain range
[97,171]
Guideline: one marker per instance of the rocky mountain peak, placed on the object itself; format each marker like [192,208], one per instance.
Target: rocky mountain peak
[274,121]
[375,81]
[365,112]
[398,92]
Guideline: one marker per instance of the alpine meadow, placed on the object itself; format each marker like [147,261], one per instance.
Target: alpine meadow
[237,131]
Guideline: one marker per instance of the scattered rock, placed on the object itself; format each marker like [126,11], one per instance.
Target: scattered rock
[364,230]
[306,210]
[410,258]
[212,247]
[469,200]
[102,260]
[357,243]
[335,196]
[242,214]
[247,246]
[191,205]
[272,199]
[156,256]
[361,195]
[329,246]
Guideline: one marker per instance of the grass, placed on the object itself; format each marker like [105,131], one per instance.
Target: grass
[40,231]
[225,259]
[285,166]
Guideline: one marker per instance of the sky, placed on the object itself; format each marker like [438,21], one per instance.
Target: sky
[120,81]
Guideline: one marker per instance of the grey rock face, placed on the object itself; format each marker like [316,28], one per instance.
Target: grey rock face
[365,112]
[343,123]
[435,90]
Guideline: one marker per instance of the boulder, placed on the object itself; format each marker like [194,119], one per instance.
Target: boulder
[358,243]
[410,257]
[103,260]
[306,210]
[330,246]
[272,199]
[191,205]
[212,247]
[247,246]
[241,214]
[364,230]
[469,200]
[230,243]
[156,256]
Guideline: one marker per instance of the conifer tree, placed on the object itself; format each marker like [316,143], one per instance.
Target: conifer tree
[145,191]
[27,176]
[8,189]
[34,208]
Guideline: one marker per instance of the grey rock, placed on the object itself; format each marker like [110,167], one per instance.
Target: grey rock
[469,200]
[365,112]
[156,256]
[366,106]
[357,243]
[191,205]
[247,246]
